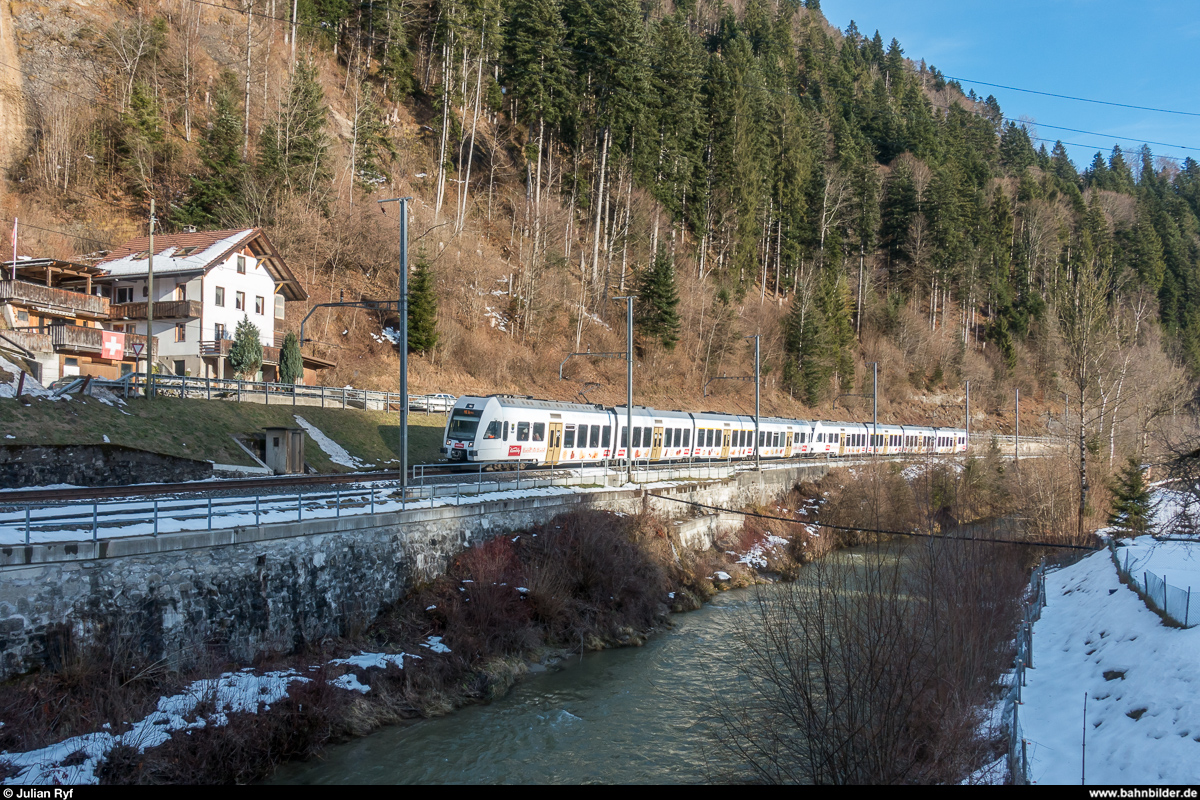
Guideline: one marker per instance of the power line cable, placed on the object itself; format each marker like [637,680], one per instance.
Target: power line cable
[1071,97]
[90,239]
[853,529]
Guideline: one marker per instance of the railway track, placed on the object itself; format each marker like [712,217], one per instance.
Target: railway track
[225,485]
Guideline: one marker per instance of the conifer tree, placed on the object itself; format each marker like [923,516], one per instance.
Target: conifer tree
[293,146]
[215,195]
[1131,504]
[246,352]
[422,308]
[291,362]
[657,315]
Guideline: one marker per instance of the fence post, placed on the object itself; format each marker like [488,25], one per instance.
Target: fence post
[208,388]
[322,397]
[372,499]
[266,397]
[299,506]
[94,520]
[256,510]
[338,500]
[210,513]
[26,524]
[293,395]
[1164,580]
[343,398]
[1188,608]
[156,518]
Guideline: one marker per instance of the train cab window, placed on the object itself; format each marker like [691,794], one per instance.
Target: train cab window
[569,436]
[493,430]
[594,436]
[539,431]
[522,431]
[606,440]
[504,436]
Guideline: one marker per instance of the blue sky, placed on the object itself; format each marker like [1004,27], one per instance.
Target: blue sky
[1140,53]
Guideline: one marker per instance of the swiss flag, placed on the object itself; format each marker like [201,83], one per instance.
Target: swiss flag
[113,345]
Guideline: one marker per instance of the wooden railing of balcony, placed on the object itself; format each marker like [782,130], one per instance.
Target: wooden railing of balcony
[52,299]
[164,309]
[221,348]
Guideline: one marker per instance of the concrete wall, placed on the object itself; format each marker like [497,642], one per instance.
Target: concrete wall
[274,587]
[93,465]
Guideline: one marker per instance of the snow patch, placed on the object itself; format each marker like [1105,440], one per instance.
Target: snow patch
[337,454]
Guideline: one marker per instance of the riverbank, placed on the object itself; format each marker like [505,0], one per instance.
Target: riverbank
[585,581]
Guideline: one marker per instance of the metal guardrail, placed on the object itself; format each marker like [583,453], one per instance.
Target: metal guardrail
[272,393]
[48,523]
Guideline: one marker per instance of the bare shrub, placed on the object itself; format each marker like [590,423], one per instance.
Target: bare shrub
[870,669]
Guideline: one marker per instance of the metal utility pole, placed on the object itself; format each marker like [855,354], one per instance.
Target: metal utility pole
[874,398]
[757,382]
[402,310]
[628,383]
[150,309]
[968,414]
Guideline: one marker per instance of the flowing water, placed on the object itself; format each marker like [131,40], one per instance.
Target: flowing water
[630,715]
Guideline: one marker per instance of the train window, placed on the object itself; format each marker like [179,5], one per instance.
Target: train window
[594,436]
[637,437]
[522,431]
[624,436]
[569,436]
[607,439]
[539,431]
[678,437]
[493,430]
[504,436]
[687,437]
[463,427]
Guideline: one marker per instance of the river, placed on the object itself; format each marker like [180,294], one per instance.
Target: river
[630,715]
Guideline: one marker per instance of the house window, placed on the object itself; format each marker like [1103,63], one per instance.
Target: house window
[22,316]
[260,305]
[124,294]
[181,291]
[279,306]
[241,265]
[145,290]
[239,301]
[181,331]
[220,297]
[219,332]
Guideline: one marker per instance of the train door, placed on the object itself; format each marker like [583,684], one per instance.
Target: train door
[554,443]
[725,443]
[841,437]
[787,444]
[656,448]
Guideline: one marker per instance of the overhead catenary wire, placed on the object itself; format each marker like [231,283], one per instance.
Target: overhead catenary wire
[883,531]
[1071,97]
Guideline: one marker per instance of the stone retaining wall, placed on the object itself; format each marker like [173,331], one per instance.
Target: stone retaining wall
[93,465]
[274,587]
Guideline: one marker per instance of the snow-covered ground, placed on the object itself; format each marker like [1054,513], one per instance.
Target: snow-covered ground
[337,454]
[74,760]
[1097,637]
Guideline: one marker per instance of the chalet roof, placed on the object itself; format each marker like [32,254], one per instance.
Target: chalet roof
[199,251]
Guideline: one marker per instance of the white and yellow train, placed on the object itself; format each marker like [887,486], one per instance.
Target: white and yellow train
[507,429]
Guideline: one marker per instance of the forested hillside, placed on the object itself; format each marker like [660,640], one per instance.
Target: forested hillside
[745,169]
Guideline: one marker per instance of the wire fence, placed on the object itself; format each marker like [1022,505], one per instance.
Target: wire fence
[1173,602]
[1018,759]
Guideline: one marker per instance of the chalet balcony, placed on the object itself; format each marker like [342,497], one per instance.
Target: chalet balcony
[220,348]
[165,309]
[49,300]
[72,339]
